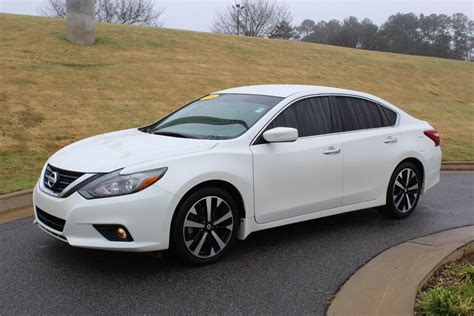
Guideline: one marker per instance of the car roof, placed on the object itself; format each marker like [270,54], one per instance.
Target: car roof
[286,90]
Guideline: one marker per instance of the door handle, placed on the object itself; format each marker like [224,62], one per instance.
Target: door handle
[332,151]
[390,140]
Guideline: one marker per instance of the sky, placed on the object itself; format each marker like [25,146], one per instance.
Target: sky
[198,15]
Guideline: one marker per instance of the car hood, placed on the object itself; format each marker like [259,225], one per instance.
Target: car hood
[112,151]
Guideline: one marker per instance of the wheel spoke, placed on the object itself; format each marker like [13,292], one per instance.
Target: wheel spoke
[398,184]
[408,202]
[199,246]
[408,177]
[223,218]
[413,195]
[218,240]
[413,187]
[209,207]
[190,223]
[400,198]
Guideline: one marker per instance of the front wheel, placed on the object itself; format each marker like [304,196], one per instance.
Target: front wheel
[205,226]
[403,191]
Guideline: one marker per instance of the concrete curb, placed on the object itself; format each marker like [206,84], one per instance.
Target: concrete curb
[388,284]
[457,166]
[22,199]
[16,200]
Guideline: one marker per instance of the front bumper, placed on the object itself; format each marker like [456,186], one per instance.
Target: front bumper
[146,214]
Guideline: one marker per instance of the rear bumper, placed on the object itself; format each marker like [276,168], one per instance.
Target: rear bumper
[146,215]
[432,167]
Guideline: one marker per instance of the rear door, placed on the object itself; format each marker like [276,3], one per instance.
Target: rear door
[300,177]
[370,144]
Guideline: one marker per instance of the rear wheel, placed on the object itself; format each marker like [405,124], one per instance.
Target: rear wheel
[403,191]
[206,226]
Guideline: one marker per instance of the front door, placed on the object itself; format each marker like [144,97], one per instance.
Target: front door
[301,177]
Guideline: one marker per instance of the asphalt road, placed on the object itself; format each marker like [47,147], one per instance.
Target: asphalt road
[291,269]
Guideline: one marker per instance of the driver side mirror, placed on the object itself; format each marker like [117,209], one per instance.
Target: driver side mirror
[281,135]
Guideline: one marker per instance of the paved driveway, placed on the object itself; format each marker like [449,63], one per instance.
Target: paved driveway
[283,270]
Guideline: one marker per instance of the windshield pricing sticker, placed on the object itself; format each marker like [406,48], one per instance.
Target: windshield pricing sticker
[210,97]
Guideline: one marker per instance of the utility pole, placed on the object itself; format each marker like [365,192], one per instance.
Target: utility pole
[238,8]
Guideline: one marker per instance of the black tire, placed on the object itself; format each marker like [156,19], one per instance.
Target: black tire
[402,197]
[203,245]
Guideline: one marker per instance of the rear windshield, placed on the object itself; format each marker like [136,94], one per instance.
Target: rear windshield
[216,116]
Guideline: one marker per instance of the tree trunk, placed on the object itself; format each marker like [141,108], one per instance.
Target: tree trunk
[80,21]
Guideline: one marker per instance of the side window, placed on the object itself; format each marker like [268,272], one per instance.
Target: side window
[309,116]
[390,116]
[354,114]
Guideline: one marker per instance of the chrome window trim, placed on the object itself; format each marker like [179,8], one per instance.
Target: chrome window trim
[66,189]
[310,96]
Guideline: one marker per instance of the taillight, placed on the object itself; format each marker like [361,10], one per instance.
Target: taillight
[434,136]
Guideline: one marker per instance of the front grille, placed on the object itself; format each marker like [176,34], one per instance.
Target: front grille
[57,180]
[49,220]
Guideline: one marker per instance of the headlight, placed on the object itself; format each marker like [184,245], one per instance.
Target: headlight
[114,184]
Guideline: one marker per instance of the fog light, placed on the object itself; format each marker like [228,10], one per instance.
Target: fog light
[113,232]
[121,233]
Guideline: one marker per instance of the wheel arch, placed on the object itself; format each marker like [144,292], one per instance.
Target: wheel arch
[227,186]
[419,165]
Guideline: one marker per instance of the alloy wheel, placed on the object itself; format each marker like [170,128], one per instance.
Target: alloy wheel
[208,227]
[405,190]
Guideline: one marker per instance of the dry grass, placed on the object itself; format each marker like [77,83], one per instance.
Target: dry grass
[53,92]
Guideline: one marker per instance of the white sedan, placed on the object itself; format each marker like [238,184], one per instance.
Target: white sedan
[234,162]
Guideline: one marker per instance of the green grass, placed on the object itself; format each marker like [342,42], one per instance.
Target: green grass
[450,292]
[53,92]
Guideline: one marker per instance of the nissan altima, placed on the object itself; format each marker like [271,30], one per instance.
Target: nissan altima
[235,162]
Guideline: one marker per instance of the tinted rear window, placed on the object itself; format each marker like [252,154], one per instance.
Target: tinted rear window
[355,114]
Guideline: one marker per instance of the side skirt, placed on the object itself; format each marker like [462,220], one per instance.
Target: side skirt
[249,225]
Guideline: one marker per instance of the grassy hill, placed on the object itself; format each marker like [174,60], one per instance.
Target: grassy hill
[53,92]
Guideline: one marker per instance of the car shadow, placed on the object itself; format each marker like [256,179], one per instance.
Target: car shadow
[288,237]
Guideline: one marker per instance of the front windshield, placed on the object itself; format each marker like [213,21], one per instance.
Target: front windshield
[216,116]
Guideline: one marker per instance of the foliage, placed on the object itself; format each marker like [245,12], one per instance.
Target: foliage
[445,301]
[468,273]
[140,12]
[283,31]
[450,292]
[429,35]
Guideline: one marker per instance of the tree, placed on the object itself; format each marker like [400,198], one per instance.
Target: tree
[326,33]
[349,34]
[306,28]
[333,30]
[54,8]
[400,34]
[435,35]
[471,41]
[285,31]
[141,12]
[258,18]
[461,37]
[368,35]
